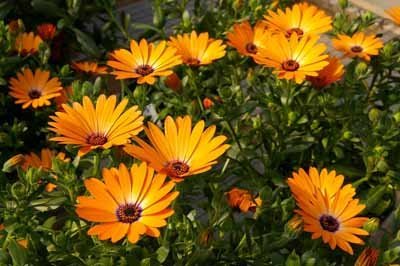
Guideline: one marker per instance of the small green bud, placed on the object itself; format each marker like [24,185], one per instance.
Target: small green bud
[374,114]
[371,225]
[294,226]
[256,122]
[18,190]
[343,4]
[361,68]
[387,50]
[65,70]
[292,116]
[139,92]
[396,117]
[347,134]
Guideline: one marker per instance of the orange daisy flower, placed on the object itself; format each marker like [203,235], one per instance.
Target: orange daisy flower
[89,67]
[46,31]
[45,162]
[144,61]
[369,257]
[34,89]
[302,19]
[197,50]
[293,58]
[328,209]
[394,13]
[358,45]
[90,127]
[181,151]
[130,202]
[329,74]
[243,200]
[27,43]
[246,39]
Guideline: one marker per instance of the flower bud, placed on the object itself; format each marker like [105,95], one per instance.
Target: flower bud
[374,114]
[11,163]
[396,117]
[347,134]
[371,225]
[361,69]
[369,257]
[206,237]
[173,82]
[343,4]
[207,103]
[46,31]
[294,226]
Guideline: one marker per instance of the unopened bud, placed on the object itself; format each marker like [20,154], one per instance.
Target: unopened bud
[371,225]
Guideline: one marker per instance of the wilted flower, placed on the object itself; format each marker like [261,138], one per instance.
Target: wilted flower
[329,74]
[173,82]
[369,257]
[243,200]
[207,103]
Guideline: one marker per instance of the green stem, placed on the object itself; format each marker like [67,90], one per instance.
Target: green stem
[96,163]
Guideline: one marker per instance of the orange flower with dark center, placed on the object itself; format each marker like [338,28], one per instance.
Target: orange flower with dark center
[394,13]
[243,200]
[130,202]
[197,50]
[144,62]
[358,45]
[302,19]
[328,209]
[369,257]
[294,58]
[34,89]
[46,31]
[27,43]
[181,151]
[89,67]
[246,39]
[101,126]
[329,74]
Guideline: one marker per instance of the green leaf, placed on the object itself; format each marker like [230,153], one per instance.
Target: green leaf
[162,253]
[18,253]
[88,44]
[293,259]
[47,7]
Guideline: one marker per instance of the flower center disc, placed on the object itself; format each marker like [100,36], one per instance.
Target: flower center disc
[329,223]
[251,48]
[128,213]
[193,62]
[298,31]
[34,93]
[356,49]
[177,168]
[290,65]
[96,139]
[144,70]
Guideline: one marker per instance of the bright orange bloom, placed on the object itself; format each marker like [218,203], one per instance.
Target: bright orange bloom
[34,89]
[27,43]
[369,257]
[46,31]
[207,103]
[302,19]
[328,209]
[197,50]
[181,151]
[242,200]
[293,58]
[130,202]
[329,74]
[246,39]
[90,127]
[173,82]
[89,67]
[394,13]
[358,45]
[144,61]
